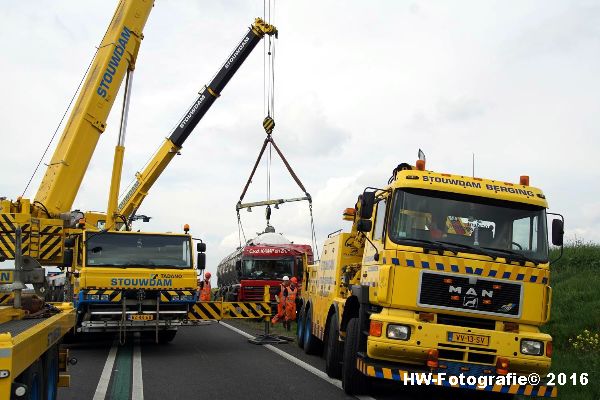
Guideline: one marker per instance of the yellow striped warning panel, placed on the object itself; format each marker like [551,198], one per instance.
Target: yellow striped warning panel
[246,310]
[216,310]
[6,298]
[372,369]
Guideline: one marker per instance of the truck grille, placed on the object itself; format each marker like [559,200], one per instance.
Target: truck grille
[467,322]
[471,294]
[255,293]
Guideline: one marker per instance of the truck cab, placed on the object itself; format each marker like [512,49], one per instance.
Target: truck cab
[134,281]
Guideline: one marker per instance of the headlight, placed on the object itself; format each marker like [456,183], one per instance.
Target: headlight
[532,347]
[175,297]
[93,297]
[104,297]
[186,297]
[399,332]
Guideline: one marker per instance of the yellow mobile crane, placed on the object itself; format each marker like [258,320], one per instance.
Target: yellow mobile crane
[442,277]
[146,281]
[33,233]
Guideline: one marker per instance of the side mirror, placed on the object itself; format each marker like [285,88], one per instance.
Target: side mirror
[201,261]
[238,265]
[367,201]
[558,232]
[201,247]
[70,242]
[364,225]
[68,257]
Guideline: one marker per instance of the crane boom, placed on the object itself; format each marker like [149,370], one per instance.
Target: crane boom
[207,96]
[116,54]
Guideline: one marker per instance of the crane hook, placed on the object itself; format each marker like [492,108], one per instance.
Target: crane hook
[269,124]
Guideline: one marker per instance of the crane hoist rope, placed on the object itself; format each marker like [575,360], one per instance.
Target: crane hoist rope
[269,126]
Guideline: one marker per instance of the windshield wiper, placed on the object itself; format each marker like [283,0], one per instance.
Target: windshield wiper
[518,256]
[431,244]
[476,249]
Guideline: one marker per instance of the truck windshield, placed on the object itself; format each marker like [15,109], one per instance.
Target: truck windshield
[469,224]
[138,250]
[268,268]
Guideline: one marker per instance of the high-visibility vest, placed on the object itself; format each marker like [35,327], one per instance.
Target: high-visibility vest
[205,291]
[292,291]
[279,295]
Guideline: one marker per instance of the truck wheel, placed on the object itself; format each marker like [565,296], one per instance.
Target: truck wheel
[300,329]
[353,381]
[33,378]
[166,336]
[312,344]
[334,350]
[50,368]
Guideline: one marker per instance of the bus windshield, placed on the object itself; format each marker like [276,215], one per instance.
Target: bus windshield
[113,249]
[268,268]
[469,224]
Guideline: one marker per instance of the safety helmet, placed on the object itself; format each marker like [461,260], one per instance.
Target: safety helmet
[207,275]
[286,278]
[294,280]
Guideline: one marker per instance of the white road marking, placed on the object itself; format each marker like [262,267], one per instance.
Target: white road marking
[137,388]
[102,387]
[335,382]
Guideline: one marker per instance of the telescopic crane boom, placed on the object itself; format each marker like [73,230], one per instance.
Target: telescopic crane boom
[207,96]
[45,221]
[117,53]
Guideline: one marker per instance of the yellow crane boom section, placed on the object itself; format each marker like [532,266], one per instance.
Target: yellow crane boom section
[116,54]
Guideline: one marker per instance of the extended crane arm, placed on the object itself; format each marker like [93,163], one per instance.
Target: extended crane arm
[207,96]
[116,54]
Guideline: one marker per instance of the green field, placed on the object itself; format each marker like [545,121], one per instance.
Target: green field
[575,280]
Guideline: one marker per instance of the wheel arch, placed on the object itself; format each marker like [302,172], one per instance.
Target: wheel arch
[351,310]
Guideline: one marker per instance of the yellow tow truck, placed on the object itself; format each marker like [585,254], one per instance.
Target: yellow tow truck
[441,276]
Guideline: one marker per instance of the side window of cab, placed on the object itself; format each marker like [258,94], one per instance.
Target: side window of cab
[380,219]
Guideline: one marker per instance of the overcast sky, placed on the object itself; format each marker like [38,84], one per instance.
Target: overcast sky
[360,87]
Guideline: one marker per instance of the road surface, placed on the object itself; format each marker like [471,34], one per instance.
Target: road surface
[212,361]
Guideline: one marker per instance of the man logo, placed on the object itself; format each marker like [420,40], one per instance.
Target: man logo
[507,307]
[470,302]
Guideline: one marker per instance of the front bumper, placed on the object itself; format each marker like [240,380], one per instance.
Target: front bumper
[450,379]
[425,336]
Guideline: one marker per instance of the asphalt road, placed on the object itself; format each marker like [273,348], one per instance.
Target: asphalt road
[211,361]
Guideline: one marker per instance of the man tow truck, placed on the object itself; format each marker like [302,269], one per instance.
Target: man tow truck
[440,274]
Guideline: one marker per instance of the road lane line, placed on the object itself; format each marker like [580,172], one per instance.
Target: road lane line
[137,388]
[102,387]
[335,382]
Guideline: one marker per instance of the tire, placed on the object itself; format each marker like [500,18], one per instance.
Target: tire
[50,368]
[33,378]
[312,344]
[300,329]
[334,352]
[353,381]
[166,336]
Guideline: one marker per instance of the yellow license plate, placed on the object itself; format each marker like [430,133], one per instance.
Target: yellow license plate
[468,338]
[141,317]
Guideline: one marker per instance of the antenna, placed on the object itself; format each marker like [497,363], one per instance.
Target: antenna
[473,165]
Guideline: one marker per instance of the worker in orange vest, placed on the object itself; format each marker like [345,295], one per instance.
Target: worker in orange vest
[290,303]
[204,288]
[280,297]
